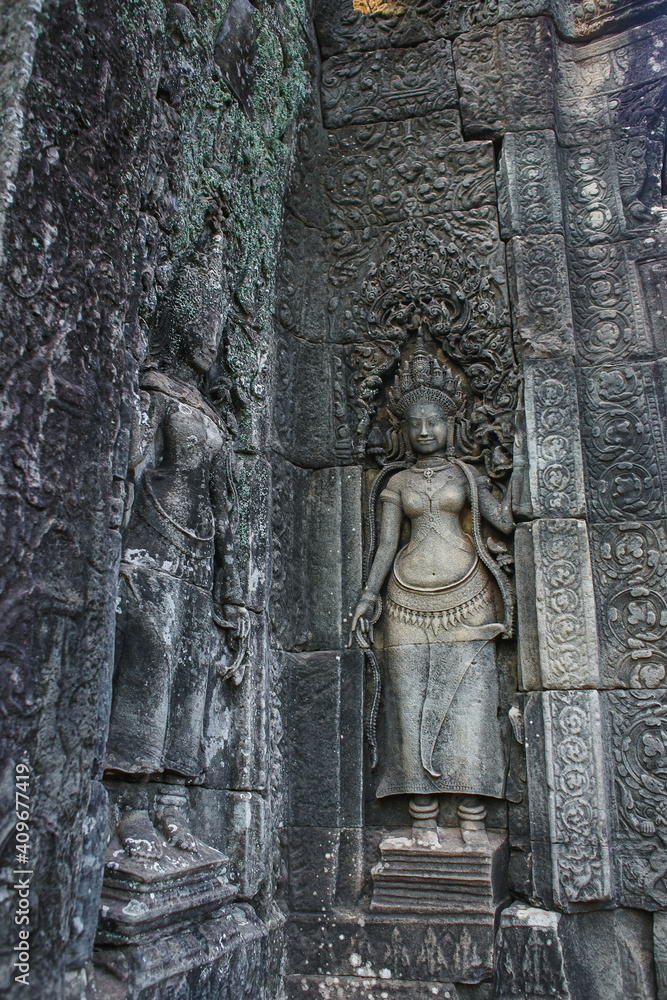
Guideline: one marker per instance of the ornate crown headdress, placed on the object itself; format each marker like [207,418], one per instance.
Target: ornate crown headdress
[423,379]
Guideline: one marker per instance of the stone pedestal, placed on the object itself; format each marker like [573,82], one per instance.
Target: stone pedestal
[140,896]
[443,871]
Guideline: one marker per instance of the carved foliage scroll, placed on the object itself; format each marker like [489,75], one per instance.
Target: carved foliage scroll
[554,445]
[577,800]
[630,563]
[638,724]
[566,627]
[388,85]
[623,443]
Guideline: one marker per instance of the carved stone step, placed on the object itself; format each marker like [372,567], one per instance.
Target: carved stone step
[142,896]
[452,874]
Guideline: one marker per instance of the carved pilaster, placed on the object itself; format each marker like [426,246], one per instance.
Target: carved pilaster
[558,640]
[569,811]
[540,292]
[554,445]
[529,198]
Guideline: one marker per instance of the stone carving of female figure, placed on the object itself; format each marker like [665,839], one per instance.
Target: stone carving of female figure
[179,591]
[441,616]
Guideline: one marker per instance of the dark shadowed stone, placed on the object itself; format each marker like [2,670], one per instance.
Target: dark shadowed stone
[84,918]
[315,586]
[236,51]
[321,729]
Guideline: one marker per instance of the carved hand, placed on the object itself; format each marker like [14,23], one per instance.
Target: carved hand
[366,614]
[237,620]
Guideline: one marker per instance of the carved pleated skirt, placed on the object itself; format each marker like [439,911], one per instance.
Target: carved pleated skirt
[441,692]
[164,626]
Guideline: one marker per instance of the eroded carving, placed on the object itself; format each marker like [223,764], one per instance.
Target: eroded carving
[180,606]
[630,562]
[622,443]
[639,740]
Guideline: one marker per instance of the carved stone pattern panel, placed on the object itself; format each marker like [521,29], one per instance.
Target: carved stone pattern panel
[578,808]
[609,315]
[629,564]
[611,188]
[388,85]
[554,444]
[529,195]
[566,626]
[326,284]
[623,443]
[506,76]
[540,294]
[617,81]
[343,28]
[638,728]
[388,172]
[424,277]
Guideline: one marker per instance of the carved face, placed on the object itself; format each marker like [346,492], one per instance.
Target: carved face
[200,342]
[426,427]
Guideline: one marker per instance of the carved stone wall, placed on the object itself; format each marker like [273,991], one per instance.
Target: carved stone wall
[534,164]
[127,137]
[491,171]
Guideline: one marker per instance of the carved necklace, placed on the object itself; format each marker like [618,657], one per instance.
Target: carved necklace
[429,471]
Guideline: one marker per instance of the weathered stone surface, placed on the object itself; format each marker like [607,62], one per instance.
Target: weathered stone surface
[540,293]
[468,271]
[453,872]
[411,948]
[236,727]
[660,954]
[224,958]
[555,463]
[324,690]
[388,85]
[617,298]
[311,417]
[314,588]
[570,820]
[615,82]
[253,486]
[362,988]
[592,956]
[611,187]
[84,918]
[529,195]
[238,825]
[344,26]
[638,736]
[623,443]
[505,77]
[587,20]
[558,641]
[389,172]
[629,564]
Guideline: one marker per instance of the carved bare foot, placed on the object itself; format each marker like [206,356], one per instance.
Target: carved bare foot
[138,835]
[175,826]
